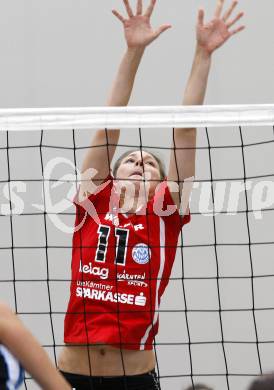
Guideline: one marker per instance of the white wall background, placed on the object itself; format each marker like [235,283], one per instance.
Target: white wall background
[66,54]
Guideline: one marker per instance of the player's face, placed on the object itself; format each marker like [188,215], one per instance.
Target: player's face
[136,166]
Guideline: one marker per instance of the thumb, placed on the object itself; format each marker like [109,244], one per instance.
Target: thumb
[161,29]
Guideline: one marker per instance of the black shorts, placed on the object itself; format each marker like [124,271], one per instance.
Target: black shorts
[146,381]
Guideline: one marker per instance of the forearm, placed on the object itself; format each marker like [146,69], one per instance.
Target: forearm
[197,83]
[28,351]
[122,86]
[101,157]
[185,138]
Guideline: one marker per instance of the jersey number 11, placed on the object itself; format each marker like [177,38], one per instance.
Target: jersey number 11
[121,244]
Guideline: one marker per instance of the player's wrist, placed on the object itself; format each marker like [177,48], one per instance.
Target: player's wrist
[202,52]
[135,51]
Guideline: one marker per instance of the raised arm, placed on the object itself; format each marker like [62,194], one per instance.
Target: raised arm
[20,342]
[138,34]
[210,36]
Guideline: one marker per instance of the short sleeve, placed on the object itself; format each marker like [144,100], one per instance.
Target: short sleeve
[103,190]
[164,206]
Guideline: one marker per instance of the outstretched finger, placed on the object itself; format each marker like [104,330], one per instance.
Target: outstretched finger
[233,21]
[161,29]
[230,10]
[139,7]
[219,9]
[237,30]
[128,8]
[201,16]
[150,8]
[119,16]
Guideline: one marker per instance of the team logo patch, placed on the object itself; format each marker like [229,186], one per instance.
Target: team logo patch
[141,253]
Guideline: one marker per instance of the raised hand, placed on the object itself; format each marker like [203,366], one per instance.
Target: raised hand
[137,28]
[215,33]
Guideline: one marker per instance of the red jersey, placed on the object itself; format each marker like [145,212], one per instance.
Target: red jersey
[120,268]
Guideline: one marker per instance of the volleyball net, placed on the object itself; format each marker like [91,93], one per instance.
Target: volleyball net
[217,314]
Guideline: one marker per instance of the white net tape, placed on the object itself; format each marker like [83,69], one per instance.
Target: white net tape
[132,117]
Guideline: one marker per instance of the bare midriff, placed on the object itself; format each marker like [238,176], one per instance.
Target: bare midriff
[105,361]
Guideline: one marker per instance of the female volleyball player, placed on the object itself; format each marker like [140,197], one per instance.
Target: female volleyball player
[199,387]
[121,263]
[264,382]
[16,339]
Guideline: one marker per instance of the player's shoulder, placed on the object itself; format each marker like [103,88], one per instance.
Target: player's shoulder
[90,190]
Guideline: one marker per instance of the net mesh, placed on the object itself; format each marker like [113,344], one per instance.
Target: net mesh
[217,315]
